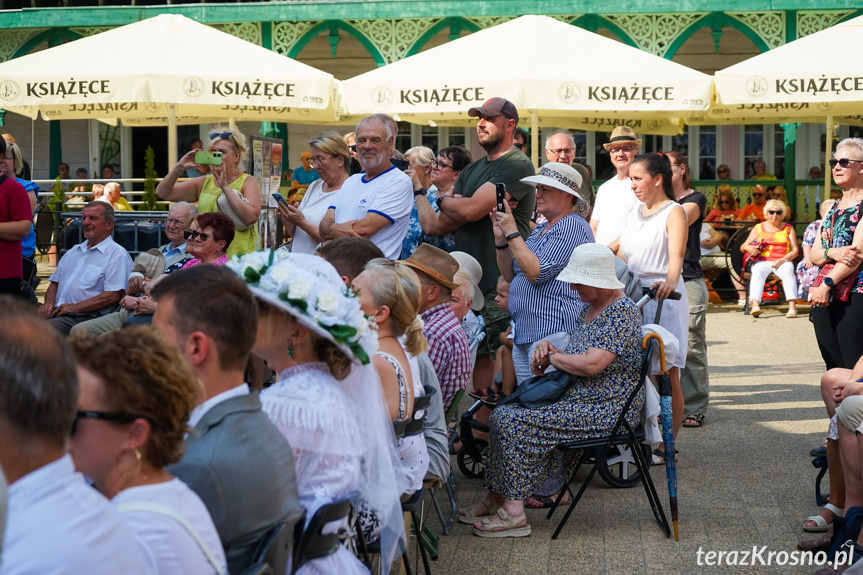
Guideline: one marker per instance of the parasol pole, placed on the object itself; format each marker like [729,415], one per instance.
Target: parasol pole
[534,137]
[172,135]
[828,147]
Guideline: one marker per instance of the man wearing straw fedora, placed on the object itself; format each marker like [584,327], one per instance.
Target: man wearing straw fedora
[615,199]
[448,348]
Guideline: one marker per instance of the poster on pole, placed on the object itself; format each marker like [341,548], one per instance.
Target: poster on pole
[266,164]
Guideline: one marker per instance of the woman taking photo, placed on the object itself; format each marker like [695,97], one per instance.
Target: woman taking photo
[653,243]
[327,400]
[774,245]
[389,294]
[541,307]
[604,357]
[331,158]
[240,190]
[136,395]
[839,324]
[694,379]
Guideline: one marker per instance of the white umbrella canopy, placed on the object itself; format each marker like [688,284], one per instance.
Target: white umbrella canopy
[819,69]
[815,76]
[554,70]
[165,68]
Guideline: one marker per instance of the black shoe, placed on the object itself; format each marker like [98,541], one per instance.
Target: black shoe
[818,451]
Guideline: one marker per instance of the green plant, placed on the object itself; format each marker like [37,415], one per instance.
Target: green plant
[151,201]
[58,200]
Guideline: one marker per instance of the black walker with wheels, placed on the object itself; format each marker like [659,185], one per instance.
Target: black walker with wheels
[619,469]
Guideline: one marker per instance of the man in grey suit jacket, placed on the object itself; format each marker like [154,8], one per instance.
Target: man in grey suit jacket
[236,460]
[179,219]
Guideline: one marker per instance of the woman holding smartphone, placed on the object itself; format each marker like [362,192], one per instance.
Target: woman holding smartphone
[331,157]
[241,192]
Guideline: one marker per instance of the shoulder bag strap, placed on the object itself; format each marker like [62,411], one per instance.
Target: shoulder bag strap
[165,510]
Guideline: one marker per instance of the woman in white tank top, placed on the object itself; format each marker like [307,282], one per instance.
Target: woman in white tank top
[653,244]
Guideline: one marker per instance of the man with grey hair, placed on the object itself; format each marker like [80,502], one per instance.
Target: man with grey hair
[173,257]
[49,503]
[560,147]
[376,204]
[91,277]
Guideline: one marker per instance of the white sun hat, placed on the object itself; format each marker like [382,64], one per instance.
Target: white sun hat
[591,265]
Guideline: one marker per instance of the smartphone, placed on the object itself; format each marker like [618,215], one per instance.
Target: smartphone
[400,164]
[501,196]
[279,198]
[208,158]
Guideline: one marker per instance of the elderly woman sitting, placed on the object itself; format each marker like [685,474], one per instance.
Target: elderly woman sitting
[136,395]
[603,356]
[774,244]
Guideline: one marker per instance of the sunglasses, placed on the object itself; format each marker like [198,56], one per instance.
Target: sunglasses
[222,135]
[723,171]
[774,212]
[757,194]
[724,202]
[843,162]
[193,235]
[113,416]
[518,145]
[353,148]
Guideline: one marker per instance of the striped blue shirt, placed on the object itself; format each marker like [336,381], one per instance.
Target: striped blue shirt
[548,306]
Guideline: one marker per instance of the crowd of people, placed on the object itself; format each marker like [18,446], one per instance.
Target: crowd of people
[269,383]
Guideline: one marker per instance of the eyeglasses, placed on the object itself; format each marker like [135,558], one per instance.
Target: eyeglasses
[440,165]
[354,148]
[724,201]
[624,149]
[175,221]
[317,161]
[774,212]
[561,151]
[193,235]
[843,162]
[113,416]
[518,145]
[757,194]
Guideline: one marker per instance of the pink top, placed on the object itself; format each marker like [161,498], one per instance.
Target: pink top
[220,261]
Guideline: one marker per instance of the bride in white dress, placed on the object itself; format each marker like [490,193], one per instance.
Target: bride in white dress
[313,334]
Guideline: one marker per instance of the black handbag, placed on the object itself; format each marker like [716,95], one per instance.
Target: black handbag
[539,391]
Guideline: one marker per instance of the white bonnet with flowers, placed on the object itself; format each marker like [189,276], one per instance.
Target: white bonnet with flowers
[310,289]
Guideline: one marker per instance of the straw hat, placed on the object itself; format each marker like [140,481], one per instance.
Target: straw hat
[434,262]
[622,135]
[468,265]
[591,265]
[150,264]
[310,289]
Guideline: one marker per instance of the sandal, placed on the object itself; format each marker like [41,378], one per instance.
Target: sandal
[821,524]
[545,501]
[755,312]
[488,395]
[820,543]
[696,420]
[469,517]
[659,456]
[508,526]
[791,314]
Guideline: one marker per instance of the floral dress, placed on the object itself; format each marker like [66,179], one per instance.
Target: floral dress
[415,235]
[840,232]
[805,275]
[522,441]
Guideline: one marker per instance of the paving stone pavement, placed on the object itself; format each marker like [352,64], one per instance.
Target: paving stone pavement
[745,478]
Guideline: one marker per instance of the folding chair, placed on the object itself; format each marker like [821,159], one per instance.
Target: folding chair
[621,434]
[274,555]
[314,544]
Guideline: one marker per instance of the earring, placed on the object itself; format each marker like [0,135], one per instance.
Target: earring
[138,465]
[291,348]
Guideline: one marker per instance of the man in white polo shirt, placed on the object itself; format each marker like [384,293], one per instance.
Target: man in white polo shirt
[375,204]
[615,199]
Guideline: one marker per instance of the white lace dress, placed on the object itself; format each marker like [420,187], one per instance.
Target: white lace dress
[320,422]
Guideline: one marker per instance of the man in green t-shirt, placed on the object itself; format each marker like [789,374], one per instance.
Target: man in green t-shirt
[466,211]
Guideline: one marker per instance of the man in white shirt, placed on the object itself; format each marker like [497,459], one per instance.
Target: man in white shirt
[615,199]
[236,460]
[91,277]
[56,523]
[376,204]
[175,256]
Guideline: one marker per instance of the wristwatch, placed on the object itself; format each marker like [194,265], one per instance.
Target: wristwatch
[439,200]
[420,192]
[828,281]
